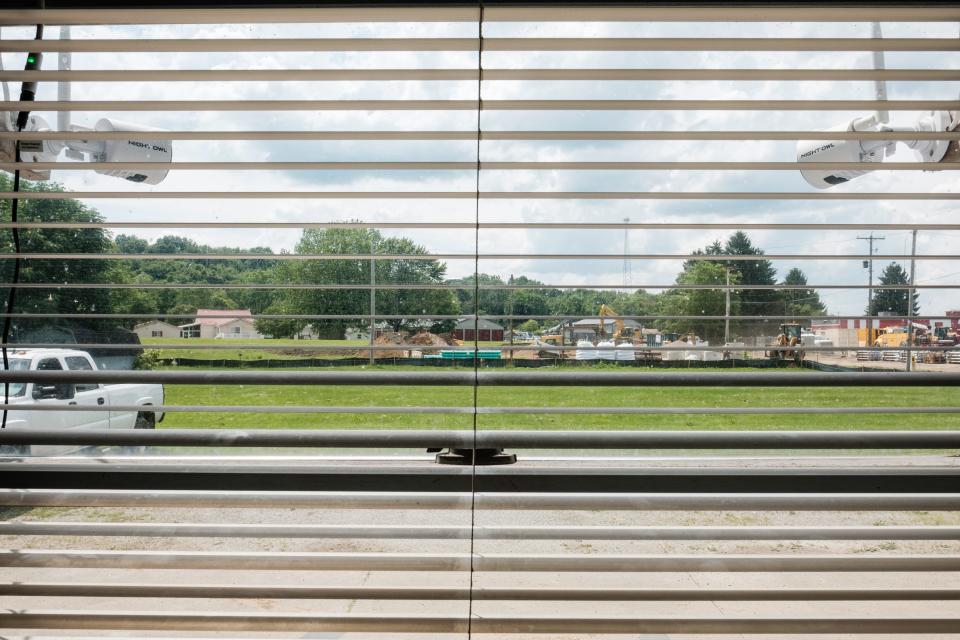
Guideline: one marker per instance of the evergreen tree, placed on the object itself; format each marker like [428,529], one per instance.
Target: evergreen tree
[893,301]
[801,302]
[752,302]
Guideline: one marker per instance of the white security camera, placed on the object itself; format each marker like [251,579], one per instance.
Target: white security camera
[929,151]
[130,149]
[134,149]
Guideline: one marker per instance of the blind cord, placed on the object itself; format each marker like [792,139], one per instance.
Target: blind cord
[476,323]
[28,92]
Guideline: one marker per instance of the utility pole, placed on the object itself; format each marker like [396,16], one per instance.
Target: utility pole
[913,274]
[510,311]
[373,294]
[726,313]
[869,264]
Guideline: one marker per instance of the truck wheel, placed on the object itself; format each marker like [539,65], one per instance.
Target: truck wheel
[145,420]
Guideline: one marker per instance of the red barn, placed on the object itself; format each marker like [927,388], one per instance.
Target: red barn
[466,330]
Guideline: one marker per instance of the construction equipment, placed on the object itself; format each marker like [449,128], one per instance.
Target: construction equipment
[554,339]
[945,336]
[790,336]
[892,337]
[899,336]
[867,337]
[622,331]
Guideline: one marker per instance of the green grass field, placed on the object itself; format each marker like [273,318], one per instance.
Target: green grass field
[537,397]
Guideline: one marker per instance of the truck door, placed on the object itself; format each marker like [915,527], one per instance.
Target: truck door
[52,395]
[89,395]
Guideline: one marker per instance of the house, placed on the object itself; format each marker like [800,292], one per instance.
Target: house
[221,323]
[156,329]
[466,329]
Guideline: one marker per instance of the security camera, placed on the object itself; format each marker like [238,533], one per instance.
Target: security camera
[129,149]
[134,149]
[30,150]
[928,151]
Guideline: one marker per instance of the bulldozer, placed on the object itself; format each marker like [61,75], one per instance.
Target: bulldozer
[790,336]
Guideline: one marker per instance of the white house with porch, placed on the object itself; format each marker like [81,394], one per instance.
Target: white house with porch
[221,323]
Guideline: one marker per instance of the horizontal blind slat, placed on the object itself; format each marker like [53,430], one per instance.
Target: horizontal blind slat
[279,15]
[540,226]
[300,75]
[287,257]
[490,44]
[487,105]
[484,135]
[489,195]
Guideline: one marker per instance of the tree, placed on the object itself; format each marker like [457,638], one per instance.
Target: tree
[280,327]
[801,302]
[493,302]
[577,303]
[699,302]
[131,244]
[41,271]
[893,301]
[400,302]
[183,297]
[530,326]
[753,302]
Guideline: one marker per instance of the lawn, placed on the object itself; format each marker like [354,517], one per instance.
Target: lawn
[537,397]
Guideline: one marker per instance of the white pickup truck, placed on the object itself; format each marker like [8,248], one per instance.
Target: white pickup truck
[79,394]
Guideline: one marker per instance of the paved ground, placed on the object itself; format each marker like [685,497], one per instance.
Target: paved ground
[850,360]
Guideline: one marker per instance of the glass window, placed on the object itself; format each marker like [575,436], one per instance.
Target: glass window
[49,364]
[79,363]
[18,364]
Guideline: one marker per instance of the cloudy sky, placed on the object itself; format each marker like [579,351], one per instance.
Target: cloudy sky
[822,244]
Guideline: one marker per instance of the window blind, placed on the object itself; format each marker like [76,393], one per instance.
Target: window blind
[570,234]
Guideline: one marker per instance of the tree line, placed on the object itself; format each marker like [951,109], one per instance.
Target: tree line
[143,280]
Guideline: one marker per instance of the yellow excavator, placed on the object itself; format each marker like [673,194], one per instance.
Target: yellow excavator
[606,311]
[609,312]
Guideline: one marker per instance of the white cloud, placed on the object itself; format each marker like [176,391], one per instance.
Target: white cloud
[530,241]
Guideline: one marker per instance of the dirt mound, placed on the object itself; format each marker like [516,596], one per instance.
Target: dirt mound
[428,339]
[386,338]
[453,342]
